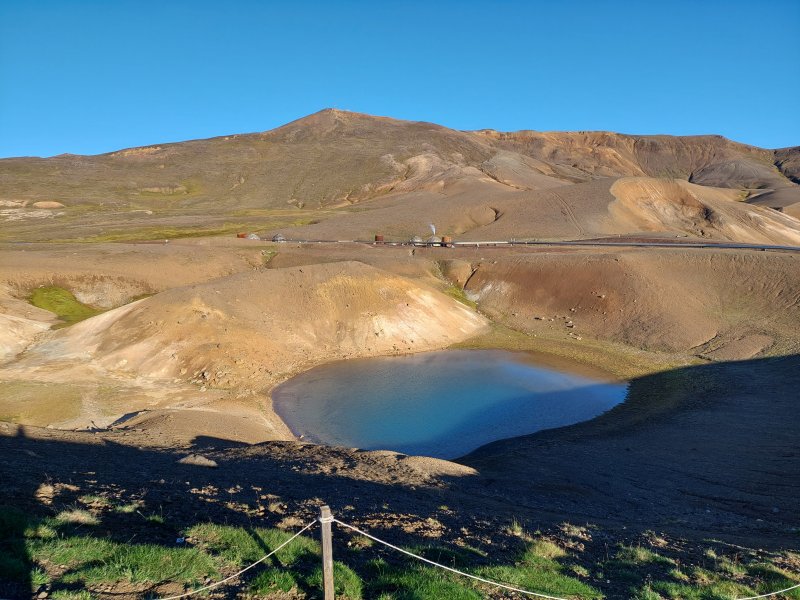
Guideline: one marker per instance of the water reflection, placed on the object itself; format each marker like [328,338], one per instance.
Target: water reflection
[442,404]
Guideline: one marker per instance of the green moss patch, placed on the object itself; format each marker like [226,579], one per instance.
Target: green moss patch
[63,304]
[459,294]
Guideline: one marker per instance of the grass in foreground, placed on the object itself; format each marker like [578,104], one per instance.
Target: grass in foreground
[652,576]
[71,555]
[78,559]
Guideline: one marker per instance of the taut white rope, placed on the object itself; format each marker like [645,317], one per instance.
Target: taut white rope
[789,589]
[446,568]
[418,557]
[247,568]
[503,585]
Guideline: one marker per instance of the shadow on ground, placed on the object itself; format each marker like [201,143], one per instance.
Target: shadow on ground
[709,451]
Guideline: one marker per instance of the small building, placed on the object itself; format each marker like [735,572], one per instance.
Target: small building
[278,237]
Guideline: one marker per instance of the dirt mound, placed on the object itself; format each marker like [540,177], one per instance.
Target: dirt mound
[20,323]
[704,159]
[674,301]
[793,210]
[239,421]
[271,322]
[785,200]
[108,275]
[103,276]
[787,160]
[673,205]
[236,336]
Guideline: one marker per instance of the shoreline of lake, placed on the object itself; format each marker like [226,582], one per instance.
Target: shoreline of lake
[490,392]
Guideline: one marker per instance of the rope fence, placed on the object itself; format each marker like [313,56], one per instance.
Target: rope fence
[496,583]
[326,519]
[451,569]
[247,568]
[789,589]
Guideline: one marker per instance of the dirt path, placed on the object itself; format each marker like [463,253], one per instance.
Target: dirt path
[567,211]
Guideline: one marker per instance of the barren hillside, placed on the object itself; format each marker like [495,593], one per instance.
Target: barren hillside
[328,164]
[722,305]
[235,337]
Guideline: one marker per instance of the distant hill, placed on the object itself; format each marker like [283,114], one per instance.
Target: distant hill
[335,159]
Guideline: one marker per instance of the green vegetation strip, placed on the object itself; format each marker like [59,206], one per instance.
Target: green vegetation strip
[83,553]
[151,233]
[459,294]
[73,553]
[63,303]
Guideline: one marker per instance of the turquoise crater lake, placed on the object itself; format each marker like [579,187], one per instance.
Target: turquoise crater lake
[441,404]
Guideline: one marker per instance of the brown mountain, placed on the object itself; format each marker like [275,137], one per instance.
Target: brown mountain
[412,173]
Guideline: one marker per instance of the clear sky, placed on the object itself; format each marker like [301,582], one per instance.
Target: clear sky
[94,76]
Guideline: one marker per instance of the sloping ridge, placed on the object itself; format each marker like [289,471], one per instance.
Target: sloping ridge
[334,157]
[254,328]
[327,159]
[707,159]
[650,204]
[726,305]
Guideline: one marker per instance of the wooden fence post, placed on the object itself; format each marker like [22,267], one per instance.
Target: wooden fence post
[325,520]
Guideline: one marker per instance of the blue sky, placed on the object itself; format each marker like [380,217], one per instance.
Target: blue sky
[94,76]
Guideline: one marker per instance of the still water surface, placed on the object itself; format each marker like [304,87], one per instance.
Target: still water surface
[441,404]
